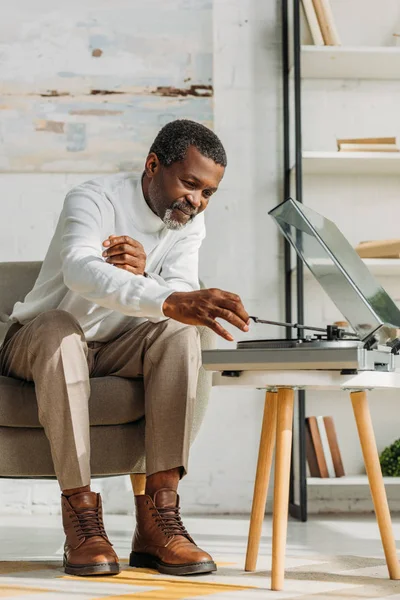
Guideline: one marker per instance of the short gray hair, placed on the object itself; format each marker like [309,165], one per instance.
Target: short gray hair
[174,139]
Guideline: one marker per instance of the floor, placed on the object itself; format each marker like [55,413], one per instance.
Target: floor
[328,557]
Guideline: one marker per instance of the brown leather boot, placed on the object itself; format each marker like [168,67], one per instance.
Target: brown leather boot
[161,541]
[87,549]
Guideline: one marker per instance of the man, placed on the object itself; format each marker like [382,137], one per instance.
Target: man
[118,294]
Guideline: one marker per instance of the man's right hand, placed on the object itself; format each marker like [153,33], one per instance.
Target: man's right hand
[204,306]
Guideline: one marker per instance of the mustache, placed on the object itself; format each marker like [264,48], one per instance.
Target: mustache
[185,207]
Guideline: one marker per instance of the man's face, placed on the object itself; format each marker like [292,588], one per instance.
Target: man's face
[181,191]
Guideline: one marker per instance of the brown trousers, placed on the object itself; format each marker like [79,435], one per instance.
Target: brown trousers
[51,350]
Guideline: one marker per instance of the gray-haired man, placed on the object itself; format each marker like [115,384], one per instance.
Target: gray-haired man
[118,294]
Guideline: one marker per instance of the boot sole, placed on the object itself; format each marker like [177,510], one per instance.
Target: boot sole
[96,569]
[147,561]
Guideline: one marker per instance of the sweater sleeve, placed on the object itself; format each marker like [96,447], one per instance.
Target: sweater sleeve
[180,270]
[85,270]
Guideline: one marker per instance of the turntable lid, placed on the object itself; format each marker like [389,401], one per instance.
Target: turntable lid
[338,268]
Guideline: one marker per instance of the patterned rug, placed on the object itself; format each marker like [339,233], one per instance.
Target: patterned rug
[318,578]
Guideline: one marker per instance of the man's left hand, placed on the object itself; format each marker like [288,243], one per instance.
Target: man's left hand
[125,253]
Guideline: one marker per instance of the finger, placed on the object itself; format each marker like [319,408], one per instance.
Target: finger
[116,239]
[232,318]
[125,259]
[126,256]
[240,311]
[215,326]
[233,303]
[107,242]
[113,240]
[124,248]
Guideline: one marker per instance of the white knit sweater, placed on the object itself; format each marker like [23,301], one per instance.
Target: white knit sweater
[108,301]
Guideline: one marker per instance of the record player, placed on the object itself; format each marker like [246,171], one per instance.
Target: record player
[374,342]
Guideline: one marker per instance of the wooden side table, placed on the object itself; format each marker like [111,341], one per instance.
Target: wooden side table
[277,433]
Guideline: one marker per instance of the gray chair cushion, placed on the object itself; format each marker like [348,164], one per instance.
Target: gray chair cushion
[115,450]
[113,401]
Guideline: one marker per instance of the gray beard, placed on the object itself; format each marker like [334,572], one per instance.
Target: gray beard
[172,223]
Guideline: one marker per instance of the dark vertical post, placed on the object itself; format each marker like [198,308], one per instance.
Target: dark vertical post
[286,158]
[297,511]
[286,190]
[299,282]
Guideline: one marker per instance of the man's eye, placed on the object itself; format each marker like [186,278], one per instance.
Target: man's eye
[190,184]
[207,194]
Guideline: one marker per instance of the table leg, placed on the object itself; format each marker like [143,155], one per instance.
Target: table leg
[284,430]
[265,454]
[371,459]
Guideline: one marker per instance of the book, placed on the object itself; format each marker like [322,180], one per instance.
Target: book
[325,446]
[326,22]
[334,446]
[381,140]
[379,249]
[317,445]
[368,148]
[322,448]
[313,24]
[310,454]
[384,144]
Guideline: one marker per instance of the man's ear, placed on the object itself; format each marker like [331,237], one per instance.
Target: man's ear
[152,164]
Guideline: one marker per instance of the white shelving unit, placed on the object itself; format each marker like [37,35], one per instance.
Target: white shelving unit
[348,480]
[351,163]
[373,63]
[347,62]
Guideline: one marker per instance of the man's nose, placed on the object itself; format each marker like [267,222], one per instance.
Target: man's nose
[194,199]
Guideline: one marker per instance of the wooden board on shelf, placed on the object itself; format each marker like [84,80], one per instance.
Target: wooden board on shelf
[379,249]
[378,140]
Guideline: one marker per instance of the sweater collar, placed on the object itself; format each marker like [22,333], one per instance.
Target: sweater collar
[145,220]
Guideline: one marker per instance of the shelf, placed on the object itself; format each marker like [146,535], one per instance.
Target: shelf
[351,163]
[349,480]
[383,267]
[347,62]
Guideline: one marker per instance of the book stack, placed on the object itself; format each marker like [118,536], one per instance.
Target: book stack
[384,144]
[322,448]
[379,249]
[321,22]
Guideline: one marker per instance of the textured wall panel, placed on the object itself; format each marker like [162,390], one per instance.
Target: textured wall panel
[86,85]
[87,134]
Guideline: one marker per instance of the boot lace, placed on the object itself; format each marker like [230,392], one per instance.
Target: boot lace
[89,523]
[170,521]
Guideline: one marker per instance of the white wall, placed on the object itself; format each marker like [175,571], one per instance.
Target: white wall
[240,253]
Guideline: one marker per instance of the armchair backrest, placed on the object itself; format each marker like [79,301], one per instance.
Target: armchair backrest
[16,280]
